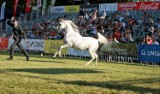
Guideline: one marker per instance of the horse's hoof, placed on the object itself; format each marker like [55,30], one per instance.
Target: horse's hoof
[53,57]
[86,64]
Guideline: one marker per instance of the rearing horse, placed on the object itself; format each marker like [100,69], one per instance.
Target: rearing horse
[73,39]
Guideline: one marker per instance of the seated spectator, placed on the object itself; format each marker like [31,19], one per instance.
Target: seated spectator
[112,39]
[86,16]
[155,42]
[147,40]
[116,34]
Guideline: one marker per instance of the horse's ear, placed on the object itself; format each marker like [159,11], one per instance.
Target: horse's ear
[62,20]
[59,19]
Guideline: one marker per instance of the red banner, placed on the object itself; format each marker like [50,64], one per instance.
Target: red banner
[128,6]
[15,7]
[148,5]
[139,6]
[3,43]
[28,6]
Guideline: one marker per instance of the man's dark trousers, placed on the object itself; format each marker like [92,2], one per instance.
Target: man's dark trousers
[17,40]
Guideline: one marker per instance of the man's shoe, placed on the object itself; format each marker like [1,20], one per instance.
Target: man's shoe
[10,58]
[27,58]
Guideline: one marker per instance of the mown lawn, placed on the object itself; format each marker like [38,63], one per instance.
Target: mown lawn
[43,75]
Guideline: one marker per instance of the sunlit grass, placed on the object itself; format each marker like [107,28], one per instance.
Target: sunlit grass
[43,75]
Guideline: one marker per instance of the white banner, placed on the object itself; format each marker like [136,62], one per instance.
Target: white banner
[32,44]
[58,9]
[108,7]
[72,51]
[35,44]
[2,10]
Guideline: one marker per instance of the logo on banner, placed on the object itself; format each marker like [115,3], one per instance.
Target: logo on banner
[143,52]
[128,5]
[35,44]
[150,53]
[150,6]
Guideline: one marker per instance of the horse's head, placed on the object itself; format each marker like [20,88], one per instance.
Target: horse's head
[67,24]
[61,24]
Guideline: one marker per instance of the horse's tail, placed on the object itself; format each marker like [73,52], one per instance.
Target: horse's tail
[102,39]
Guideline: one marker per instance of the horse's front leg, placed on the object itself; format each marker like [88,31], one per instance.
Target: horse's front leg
[63,46]
[55,54]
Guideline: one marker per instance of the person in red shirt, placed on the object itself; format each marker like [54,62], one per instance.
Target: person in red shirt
[116,34]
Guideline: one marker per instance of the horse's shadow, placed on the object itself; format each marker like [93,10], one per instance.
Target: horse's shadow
[55,70]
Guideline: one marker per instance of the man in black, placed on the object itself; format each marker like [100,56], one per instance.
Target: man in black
[17,35]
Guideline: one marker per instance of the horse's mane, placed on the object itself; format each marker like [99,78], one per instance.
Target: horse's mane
[75,27]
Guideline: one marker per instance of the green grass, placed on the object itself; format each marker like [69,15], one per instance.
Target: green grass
[43,75]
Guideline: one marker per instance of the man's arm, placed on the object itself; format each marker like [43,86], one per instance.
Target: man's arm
[23,33]
[10,22]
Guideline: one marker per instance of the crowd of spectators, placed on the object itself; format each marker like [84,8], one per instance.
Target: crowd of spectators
[117,27]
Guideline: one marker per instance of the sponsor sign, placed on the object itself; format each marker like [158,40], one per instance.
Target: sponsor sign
[128,6]
[51,46]
[31,44]
[149,53]
[108,7]
[76,52]
[149,5]
[35,45]
[139,6]
[74,8]
[89,8]
[120,49]
[57,9]
[3,43]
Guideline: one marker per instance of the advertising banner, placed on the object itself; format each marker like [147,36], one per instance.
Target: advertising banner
[31,44]
[51,46]
[35,45]
[76,52]
[128,6]
[57,9]
[148,5]
[108,7]
[74,8]
[28,6]
[149,53]
[89,8]
[139,6]
[120,49]
[3,43]
[15,7]
[2,11]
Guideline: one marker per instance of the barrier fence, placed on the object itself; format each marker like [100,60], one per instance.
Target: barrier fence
[121,52]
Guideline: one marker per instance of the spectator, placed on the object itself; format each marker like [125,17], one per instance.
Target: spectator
[155,42]
[103,15]
[116,34]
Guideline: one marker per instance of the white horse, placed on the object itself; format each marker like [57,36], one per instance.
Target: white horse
[73,39]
